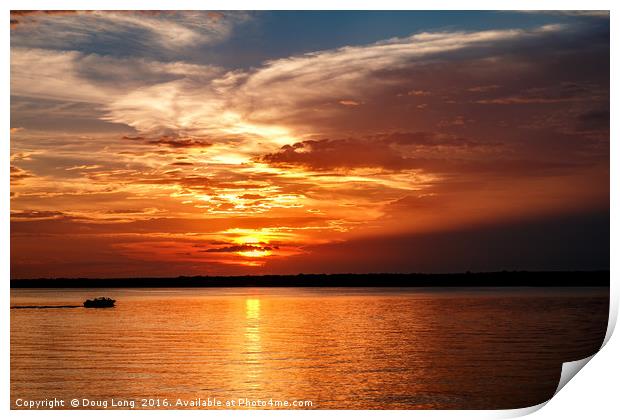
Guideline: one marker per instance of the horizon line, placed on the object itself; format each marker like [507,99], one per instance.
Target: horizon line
[596,278]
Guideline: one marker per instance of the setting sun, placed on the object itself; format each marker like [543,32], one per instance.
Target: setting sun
[254,253]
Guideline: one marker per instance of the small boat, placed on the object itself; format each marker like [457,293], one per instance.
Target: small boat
[100,302]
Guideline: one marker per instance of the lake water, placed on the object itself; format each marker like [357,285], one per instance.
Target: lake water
[337,348]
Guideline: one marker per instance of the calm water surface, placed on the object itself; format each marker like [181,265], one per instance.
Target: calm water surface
[339,348]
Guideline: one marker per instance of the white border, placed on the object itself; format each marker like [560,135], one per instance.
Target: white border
[593,394]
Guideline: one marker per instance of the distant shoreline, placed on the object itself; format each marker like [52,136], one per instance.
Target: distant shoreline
[490,279]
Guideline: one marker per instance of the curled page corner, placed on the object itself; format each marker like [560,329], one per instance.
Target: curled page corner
[570,369]
[520,412]
[613,318]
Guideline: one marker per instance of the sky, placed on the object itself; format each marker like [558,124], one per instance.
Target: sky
[148,143]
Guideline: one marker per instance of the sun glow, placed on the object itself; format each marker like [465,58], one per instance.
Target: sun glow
[256,253]
[254,238]
[250,236]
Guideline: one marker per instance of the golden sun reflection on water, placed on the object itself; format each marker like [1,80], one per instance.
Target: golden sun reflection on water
[252,342]
[252,308]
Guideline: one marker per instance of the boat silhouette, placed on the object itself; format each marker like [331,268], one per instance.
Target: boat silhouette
[100,302]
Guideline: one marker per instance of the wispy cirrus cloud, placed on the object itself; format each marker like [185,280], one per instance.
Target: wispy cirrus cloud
[284,92]
[75,76]
[166,98]
[136,32]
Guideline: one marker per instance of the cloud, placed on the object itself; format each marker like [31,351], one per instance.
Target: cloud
[52,75]
[37,214]
[21,16]
[486,88]
[178,143]
[419,92]
[152,226]
[347,102]
[82,167]
[392,151]
[19,174]
[272,104]
[583,13]
[296,82]
[241,248]
[140,31]
[173,142]
[556,93]
[180,106]
[17,156]
[73,76]
[283,91]
[344,153]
